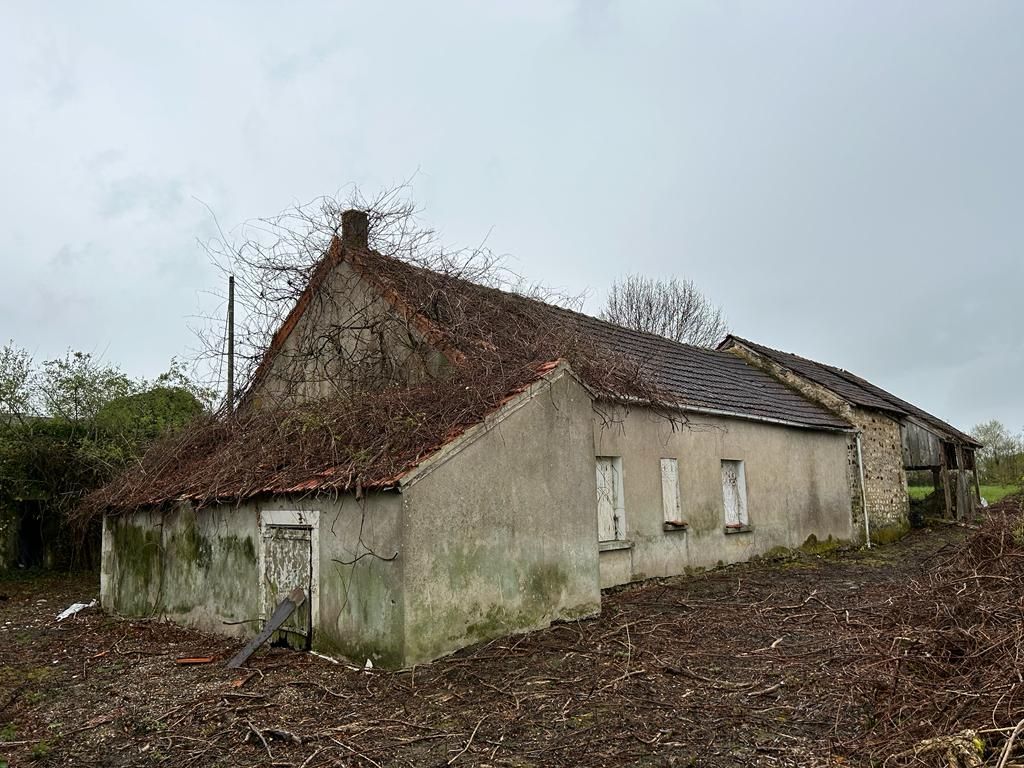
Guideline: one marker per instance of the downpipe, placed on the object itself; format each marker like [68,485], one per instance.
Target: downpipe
[863,494]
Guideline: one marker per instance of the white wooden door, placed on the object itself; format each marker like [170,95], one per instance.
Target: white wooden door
[288,559]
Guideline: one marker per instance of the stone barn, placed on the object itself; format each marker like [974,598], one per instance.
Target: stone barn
[436,463]
[892,437]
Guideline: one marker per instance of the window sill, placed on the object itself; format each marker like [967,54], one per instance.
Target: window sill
[739,529]
[675,526]
[609,546]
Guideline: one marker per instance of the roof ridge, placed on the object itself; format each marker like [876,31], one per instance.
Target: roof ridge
[829,366]
[898,404]
[549,305]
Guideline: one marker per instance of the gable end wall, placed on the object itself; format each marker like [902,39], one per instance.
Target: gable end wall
[885,482]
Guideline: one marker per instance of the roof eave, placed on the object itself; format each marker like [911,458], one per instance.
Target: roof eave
[687,408]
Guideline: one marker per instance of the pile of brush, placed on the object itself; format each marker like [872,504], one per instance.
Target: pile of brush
[946,671]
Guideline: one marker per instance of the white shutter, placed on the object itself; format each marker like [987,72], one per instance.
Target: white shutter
[734,494]
[606,496]
[670,490]
[729,495]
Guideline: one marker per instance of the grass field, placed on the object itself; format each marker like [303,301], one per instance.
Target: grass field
[991,493]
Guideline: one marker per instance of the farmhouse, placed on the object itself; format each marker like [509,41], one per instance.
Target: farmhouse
[435,462]
[893,436]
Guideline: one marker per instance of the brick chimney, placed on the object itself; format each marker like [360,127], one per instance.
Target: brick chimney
[355,229]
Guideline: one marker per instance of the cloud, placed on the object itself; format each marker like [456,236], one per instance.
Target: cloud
[141,194]
[835,177]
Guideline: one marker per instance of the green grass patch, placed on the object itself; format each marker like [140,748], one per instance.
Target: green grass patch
[991,493]
[994,493]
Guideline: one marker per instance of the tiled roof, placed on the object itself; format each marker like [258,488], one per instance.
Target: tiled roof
[688,376]
[853,388]
[710,379]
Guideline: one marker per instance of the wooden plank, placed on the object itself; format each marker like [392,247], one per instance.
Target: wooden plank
[285,609]
[944,470]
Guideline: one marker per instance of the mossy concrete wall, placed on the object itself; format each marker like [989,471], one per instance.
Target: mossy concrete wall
[200,568]
[196,568]
[500,535]
[796,487]
[359,583]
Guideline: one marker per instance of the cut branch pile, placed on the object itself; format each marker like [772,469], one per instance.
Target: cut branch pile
[949,655]
[904,655]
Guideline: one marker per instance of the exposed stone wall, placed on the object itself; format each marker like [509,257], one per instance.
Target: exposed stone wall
[885,482]
[856,496]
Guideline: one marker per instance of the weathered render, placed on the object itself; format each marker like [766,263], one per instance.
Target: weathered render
[505,526]
[796,491]
[203,568]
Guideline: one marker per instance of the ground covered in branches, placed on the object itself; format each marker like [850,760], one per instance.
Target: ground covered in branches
[851,659]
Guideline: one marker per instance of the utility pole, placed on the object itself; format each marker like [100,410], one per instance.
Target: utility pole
[231,343]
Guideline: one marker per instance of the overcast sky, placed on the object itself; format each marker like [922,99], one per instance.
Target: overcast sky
[846,179]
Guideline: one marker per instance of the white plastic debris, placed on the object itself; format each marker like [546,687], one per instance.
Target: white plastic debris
[74,608]
[368,664]
[984,502]
[325,657]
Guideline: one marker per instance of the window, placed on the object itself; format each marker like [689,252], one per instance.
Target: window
[611,518]
[670,494]
[734,494]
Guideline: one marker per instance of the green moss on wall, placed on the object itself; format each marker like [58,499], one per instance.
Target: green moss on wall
[190,547]
[776,553]
[488,608]
[890,533]
[545,581]
[360,613]
[813,546]
[215,573]
[581,611]
[137,567]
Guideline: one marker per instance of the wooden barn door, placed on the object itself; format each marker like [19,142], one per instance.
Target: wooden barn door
[288,563]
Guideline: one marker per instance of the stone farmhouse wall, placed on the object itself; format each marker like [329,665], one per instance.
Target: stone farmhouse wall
[885,482]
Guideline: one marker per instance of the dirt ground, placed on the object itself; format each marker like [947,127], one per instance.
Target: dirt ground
[748,665]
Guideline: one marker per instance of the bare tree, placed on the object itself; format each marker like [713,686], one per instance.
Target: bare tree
[673,308]
[275,258]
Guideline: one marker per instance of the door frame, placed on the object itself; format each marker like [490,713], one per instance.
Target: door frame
[270,518]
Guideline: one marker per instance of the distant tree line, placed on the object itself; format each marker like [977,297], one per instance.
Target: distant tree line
[1001,460]
[67,426]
